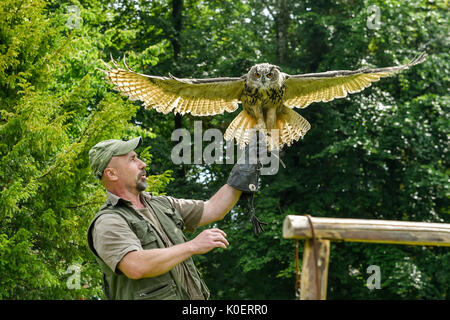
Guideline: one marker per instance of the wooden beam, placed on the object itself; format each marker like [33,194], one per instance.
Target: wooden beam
[361,230]
[310,285]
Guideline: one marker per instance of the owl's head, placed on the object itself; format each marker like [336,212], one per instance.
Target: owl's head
[264,76]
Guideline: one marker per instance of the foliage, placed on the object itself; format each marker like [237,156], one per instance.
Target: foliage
[54,108]
[379,154]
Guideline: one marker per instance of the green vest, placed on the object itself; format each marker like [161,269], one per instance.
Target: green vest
[163,287]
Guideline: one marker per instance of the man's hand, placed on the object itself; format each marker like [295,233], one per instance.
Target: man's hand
[208,240]
[154,262]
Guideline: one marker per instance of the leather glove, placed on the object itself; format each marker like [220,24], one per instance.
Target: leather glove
[245,173]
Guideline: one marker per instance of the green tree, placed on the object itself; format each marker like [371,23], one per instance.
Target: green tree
[54,107]
[379,154]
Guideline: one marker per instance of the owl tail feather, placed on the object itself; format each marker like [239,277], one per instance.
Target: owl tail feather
[290,126]
[240,128]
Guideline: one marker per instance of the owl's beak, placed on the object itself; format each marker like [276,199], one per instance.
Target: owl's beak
[263,80]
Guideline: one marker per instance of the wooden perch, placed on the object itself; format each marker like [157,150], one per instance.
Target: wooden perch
[316,253]
[375,231]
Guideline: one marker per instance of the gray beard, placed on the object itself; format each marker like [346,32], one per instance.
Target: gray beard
[141,186]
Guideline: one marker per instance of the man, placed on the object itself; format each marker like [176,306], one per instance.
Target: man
[138,239]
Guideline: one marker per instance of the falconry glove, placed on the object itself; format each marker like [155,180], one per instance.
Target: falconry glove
[245,175]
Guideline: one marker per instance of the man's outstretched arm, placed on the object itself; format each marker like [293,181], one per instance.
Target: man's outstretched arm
[219,204]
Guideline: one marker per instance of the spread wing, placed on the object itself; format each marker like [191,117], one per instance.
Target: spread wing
[304,89]
[200,97]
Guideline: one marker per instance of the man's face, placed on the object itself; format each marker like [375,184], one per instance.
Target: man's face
[129,171]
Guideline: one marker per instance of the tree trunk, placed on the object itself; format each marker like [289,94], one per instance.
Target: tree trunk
[281,28]
[177,22]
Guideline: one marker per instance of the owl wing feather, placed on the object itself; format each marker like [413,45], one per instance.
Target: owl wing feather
[304,89]
[200,97]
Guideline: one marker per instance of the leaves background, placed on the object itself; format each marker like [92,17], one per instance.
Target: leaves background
[379,154]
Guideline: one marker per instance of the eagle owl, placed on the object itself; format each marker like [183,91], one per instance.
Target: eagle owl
[268,96]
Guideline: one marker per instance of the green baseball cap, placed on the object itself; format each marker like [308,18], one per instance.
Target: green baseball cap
[102,152]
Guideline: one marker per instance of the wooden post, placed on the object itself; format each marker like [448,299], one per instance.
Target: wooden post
[309,288]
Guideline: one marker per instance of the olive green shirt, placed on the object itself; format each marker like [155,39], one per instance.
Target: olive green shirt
[113,238]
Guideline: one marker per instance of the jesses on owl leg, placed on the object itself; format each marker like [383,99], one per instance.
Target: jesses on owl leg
[260,141]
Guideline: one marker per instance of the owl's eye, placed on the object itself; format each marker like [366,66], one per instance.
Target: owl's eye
[258,75]
[269,75]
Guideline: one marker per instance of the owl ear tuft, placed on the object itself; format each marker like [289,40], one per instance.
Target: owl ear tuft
[275,67]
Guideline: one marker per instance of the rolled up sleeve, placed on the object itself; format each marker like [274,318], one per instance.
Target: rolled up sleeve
[113,239]
[190,210]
